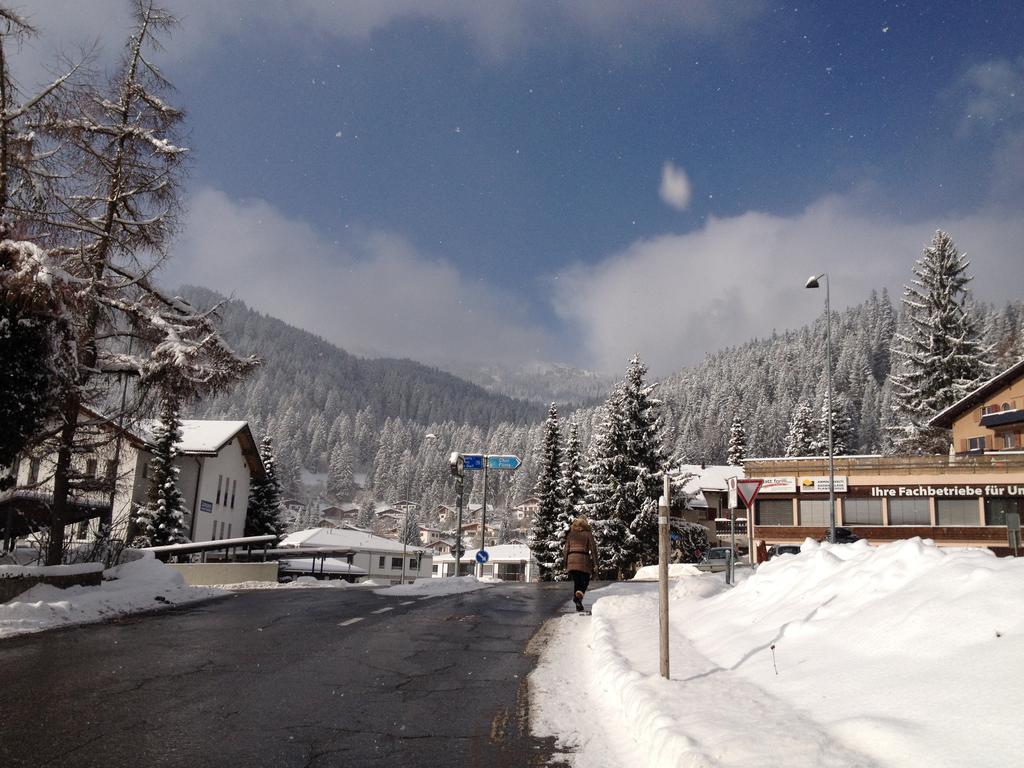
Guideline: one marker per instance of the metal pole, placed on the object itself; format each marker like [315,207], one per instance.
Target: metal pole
[405,526]
[458,532]
[831,458]
[729,575]
[663,540]
[483,516]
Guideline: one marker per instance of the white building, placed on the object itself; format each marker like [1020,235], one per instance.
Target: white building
[216,460]
[380,558]
[508,562]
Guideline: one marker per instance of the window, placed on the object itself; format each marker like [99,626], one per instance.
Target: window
[412,563]
[909,512]
[1009,440]
[994,408]
[976,444]
[33,471]
[220,481]
[862,511]
[433,570]
[380,561]
[814,511]
[229,530]
[996,508]
[90,467]
[956,511]
[396,563]
[775,512]
[110,470]
[1007,407]
[83,529]
[234,487]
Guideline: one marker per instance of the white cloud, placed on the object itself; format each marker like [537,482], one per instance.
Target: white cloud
[992,92]
[376,296]
[675,188]
[496,27]
[676,297]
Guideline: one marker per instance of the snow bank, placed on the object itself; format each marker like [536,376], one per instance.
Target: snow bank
[675,571]
[141,585]
[901,655]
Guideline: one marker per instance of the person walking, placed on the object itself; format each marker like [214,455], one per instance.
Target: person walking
[580,558]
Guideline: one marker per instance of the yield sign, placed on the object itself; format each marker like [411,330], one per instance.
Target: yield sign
[747,491]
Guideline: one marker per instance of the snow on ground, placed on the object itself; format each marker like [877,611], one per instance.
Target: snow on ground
[141,585]
[901,655]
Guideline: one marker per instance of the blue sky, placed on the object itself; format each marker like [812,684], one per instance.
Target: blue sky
[461,181]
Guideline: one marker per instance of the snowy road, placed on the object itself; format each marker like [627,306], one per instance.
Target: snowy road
[284,678]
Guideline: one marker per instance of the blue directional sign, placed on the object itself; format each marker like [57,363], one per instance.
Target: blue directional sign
[472,461]
[482,556]
[503,462]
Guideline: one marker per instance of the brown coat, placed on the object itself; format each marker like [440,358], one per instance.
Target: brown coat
[580,552]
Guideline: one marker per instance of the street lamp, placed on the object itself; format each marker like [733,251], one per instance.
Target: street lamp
[812,282]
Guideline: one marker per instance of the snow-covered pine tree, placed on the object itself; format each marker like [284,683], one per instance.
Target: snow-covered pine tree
[737,442]
[939,355]
[162,520]
[505,528]
[622,478]
[803,431]
[340,477]
[571,491]
[367,514]
[542,539]
[843,435]
[264,516]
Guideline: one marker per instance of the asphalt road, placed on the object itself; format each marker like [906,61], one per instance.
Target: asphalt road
[284,678]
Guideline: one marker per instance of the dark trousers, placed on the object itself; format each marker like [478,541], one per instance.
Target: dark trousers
[580,581]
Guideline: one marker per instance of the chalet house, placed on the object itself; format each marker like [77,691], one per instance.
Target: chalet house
[524,512]
[216,460]
[989,419]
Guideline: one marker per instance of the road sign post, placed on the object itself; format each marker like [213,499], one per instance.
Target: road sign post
[460,462]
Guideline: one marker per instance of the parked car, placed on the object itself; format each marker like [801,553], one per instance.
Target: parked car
[843,536]
[783,549]
[719,555]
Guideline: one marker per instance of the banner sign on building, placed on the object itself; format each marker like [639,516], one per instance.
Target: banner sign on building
[820,484]
[778,485]
[943,491]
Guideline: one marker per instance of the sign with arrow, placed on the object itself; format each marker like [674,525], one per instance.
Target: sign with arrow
[747,491]
[482,556]
[503,462]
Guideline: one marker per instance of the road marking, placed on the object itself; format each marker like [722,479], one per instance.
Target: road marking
[408,602]
[383,610]
[349,621]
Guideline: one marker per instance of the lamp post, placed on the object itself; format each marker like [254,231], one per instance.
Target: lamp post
[812,282]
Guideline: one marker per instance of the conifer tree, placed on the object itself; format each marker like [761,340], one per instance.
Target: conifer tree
[162,520]
[737,442]
[264,516]
[940,358]
[803,431]
[340,476]
[543,541]
[367,514]
[571,485]
[410,530]
[622,479]
[843,437]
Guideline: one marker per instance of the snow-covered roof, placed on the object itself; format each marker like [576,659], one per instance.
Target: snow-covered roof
[198,436]
[713,477]
[352,538]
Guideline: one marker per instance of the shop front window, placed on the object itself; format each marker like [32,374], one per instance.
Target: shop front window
[909,512]
[814,512]
[774,512]
[956,511]
[996,508]
[862,511]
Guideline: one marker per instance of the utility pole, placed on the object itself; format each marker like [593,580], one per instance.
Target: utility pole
[663,542]
[455,463]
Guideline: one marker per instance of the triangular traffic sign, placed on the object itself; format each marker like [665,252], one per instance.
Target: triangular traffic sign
[747,491]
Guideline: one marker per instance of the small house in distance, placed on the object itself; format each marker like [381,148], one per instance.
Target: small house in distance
[381,559]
